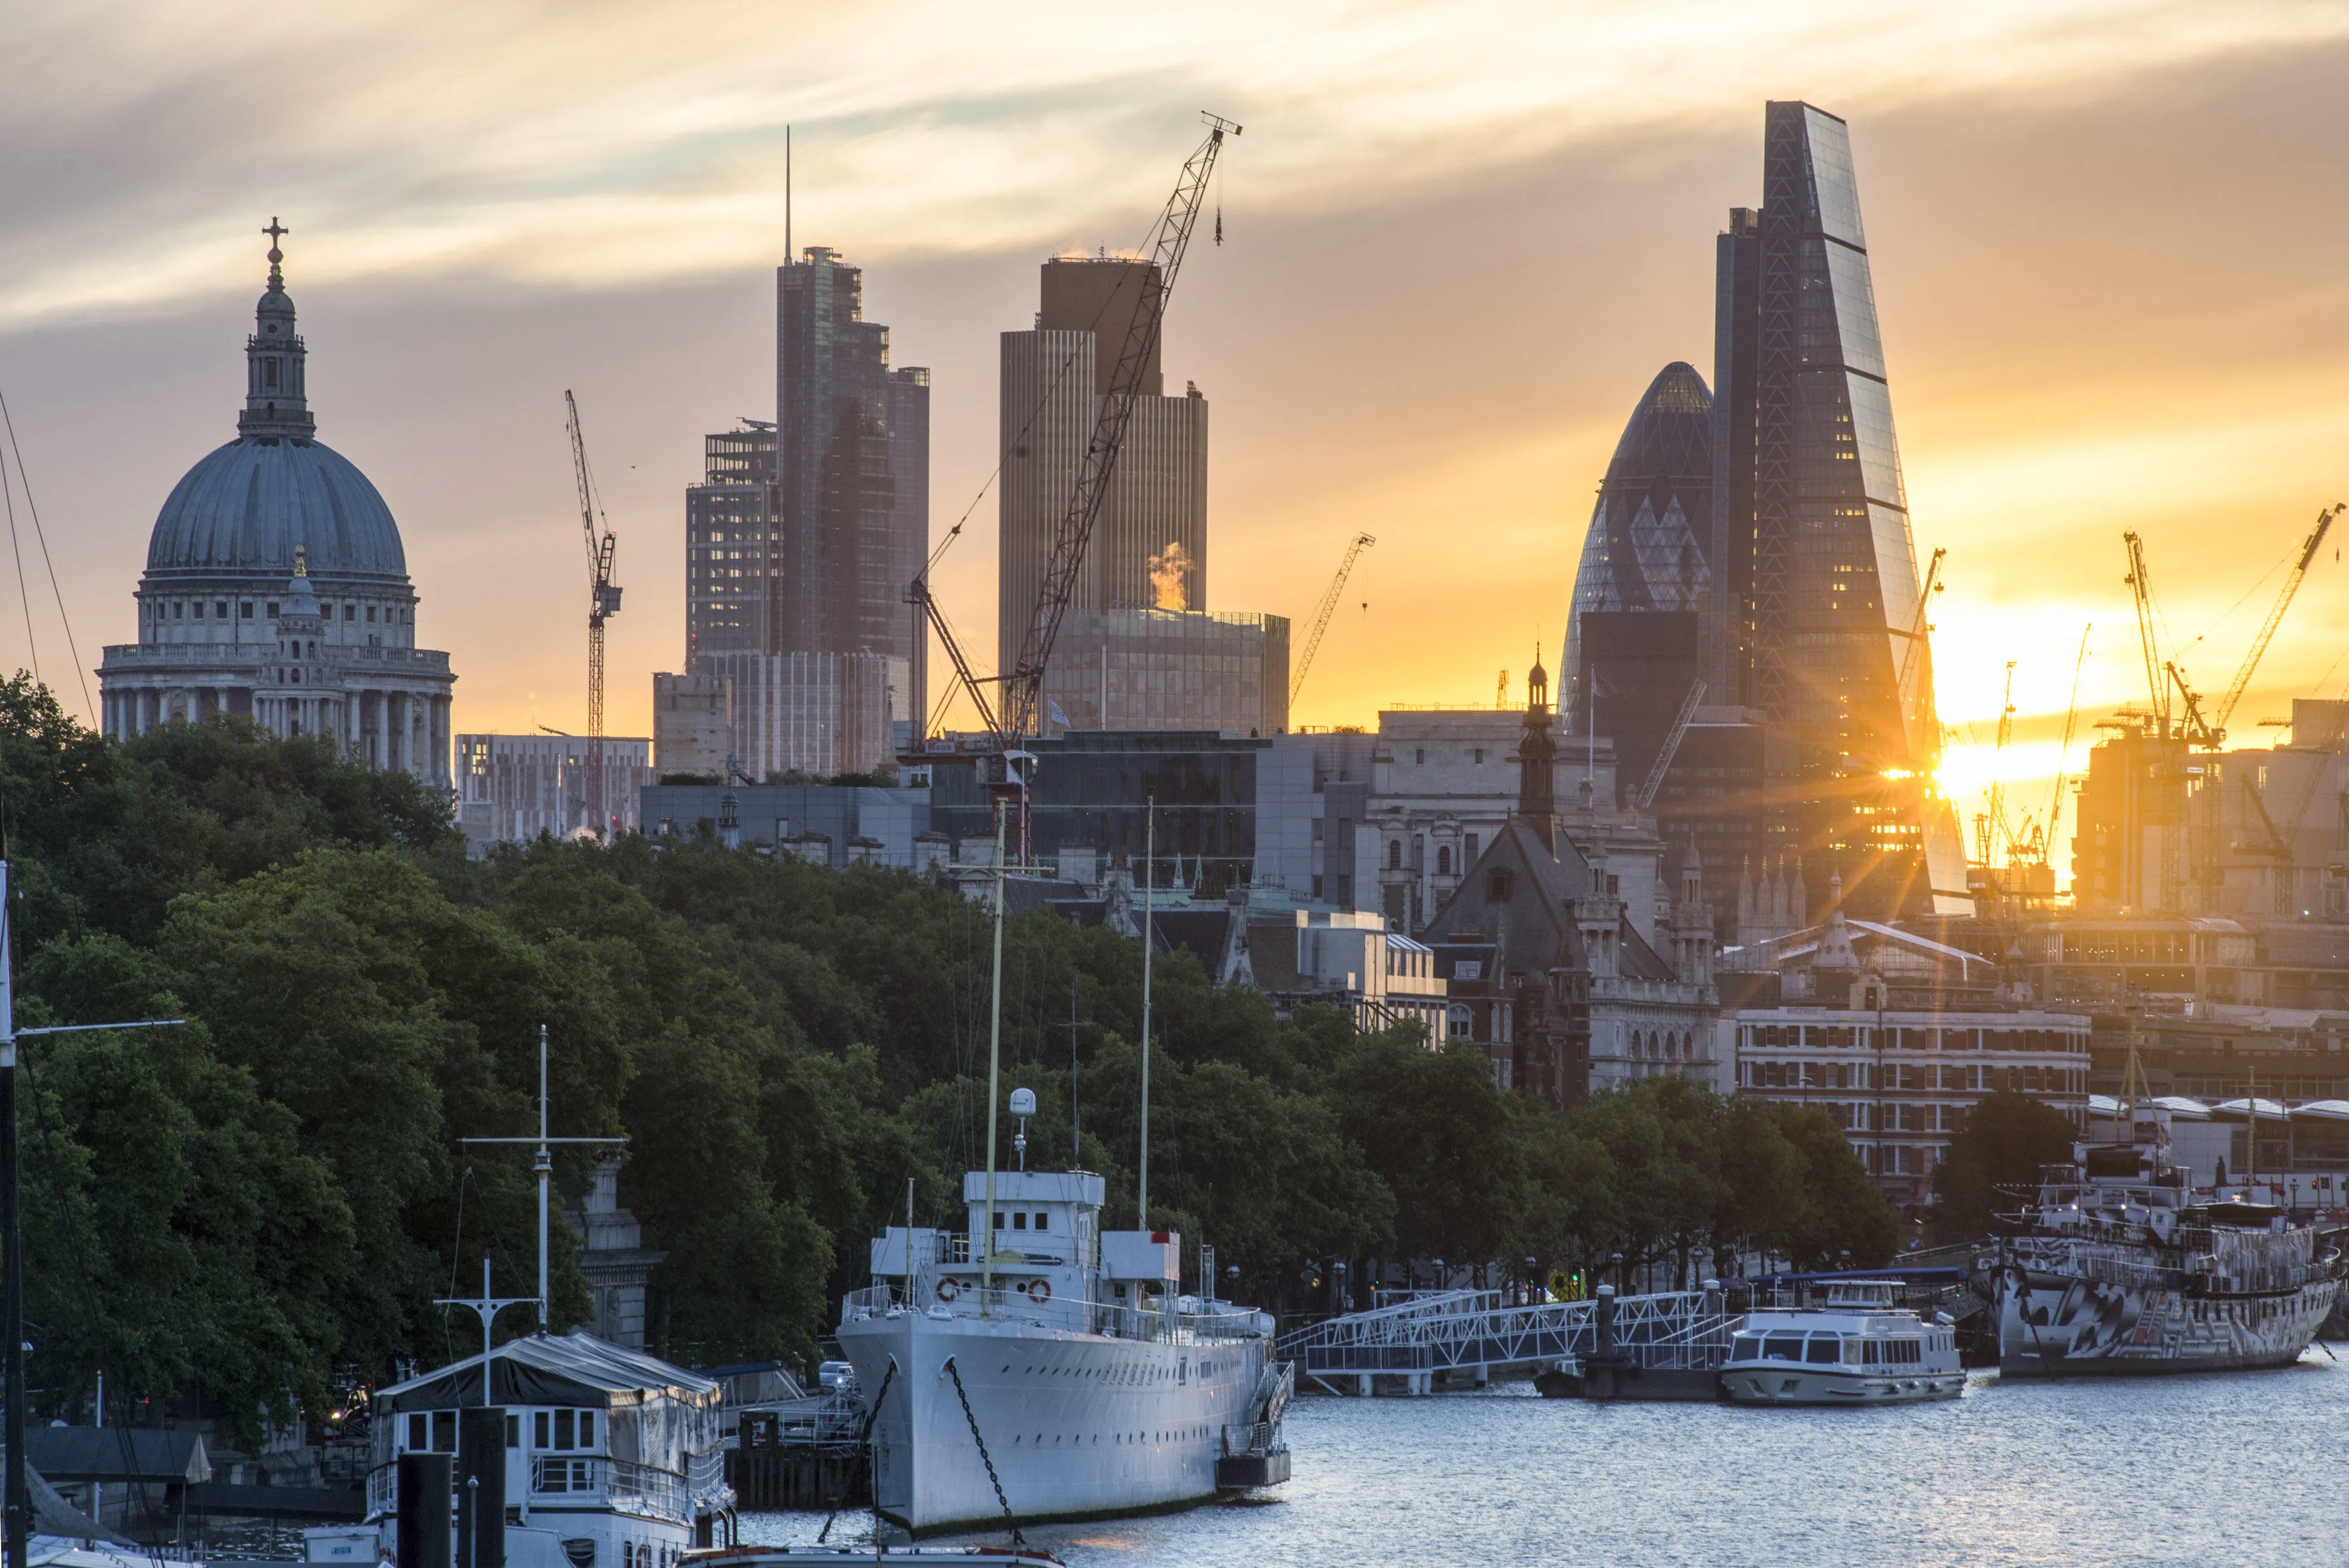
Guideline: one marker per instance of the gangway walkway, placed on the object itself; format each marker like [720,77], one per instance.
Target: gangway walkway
[1479,1332]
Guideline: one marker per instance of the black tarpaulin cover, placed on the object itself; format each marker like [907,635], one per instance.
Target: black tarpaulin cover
[554,1370]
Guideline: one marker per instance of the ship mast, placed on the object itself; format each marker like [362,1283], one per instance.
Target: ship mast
[994,1062]
[1149,860]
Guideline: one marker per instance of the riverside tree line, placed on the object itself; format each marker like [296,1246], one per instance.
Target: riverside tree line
[248,1211]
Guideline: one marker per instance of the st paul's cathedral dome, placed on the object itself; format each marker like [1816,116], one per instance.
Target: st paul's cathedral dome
[276,588]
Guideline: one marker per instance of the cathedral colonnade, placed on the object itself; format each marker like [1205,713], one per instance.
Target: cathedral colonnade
[384,727]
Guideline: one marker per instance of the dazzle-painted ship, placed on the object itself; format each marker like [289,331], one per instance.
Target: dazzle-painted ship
[2120,1266]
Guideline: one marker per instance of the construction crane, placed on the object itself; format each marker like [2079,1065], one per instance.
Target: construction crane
[1992,820]
[2225,708]
[1020,685]
[1663,763]
[2064,753]
[603,601]
[2141,589]
[1322,613]
[1918,633]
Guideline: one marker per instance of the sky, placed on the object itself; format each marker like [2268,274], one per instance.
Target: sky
[1460,239]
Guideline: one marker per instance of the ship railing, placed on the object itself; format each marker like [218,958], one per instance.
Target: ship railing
[1254,1437]
[646,1488]
[1078,1313]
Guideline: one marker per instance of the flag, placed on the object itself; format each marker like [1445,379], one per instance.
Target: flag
[1053,708]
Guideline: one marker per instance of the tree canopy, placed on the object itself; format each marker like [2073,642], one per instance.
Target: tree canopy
[247,1209]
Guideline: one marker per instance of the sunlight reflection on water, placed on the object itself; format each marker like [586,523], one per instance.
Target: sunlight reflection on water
[2169,1471]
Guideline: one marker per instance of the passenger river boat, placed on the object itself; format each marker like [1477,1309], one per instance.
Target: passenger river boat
[1857,1349]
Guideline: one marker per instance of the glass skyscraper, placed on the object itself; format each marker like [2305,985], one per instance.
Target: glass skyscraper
[1815,627]
[1633,637]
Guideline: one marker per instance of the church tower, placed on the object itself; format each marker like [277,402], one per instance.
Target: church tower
[1537,760]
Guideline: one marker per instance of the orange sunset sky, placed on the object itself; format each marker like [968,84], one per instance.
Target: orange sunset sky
[1460,239]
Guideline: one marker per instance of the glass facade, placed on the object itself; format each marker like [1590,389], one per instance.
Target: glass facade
[1816,623]
[1096,790]
[1128,669]
[1633,631]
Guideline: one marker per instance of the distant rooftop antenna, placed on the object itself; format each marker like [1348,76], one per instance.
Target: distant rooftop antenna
[787,195]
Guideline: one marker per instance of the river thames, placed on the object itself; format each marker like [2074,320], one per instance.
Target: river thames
[2226,1469]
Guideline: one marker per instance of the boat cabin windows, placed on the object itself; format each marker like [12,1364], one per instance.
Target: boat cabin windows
[1746,1348]
[1782,1347]
[431,1432]
[562,1429]
[1825,1349]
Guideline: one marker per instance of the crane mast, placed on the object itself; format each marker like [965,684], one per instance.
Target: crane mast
[2063,754]
[1171,239]
[603,601]
[1322,614]
[2141,588]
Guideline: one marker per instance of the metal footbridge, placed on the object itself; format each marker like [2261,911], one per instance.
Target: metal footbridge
[1478,1332]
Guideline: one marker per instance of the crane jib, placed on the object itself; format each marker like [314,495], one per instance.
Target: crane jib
[1171,241]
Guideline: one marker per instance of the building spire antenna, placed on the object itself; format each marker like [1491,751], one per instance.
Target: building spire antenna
[787,195]
[276,231]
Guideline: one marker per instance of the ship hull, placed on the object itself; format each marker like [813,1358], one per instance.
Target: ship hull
[2056,1324]
[1779,1383]
[1077,1425]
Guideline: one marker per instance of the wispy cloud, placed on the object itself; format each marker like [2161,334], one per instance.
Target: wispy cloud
[587,145]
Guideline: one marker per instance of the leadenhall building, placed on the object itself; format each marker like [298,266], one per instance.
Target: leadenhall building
[276,588]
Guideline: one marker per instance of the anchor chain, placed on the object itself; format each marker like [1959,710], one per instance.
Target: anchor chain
[864,1441]
[1017,1539]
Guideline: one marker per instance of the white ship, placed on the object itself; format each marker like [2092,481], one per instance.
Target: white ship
[1858,1349]
[2121,1267]
[1094,1385]
[1034,1367]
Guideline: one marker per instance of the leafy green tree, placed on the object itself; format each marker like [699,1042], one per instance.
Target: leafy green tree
[176,1234]
[2007,1139]
[1434,1127]
[1846,1211]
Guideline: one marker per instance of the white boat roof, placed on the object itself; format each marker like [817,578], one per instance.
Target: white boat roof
[1035,1187]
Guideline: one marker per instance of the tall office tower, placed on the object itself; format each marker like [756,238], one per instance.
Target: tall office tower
[1149,546]
[1817,626]
[851,435]
[1633,634]
[730,551]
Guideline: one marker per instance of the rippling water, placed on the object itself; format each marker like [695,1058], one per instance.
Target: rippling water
[2227,1468]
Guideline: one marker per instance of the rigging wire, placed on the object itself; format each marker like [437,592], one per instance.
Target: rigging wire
[41,537]
[32,642]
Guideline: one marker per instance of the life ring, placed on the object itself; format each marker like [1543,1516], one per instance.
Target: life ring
[948,1289]
[1040,1291]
